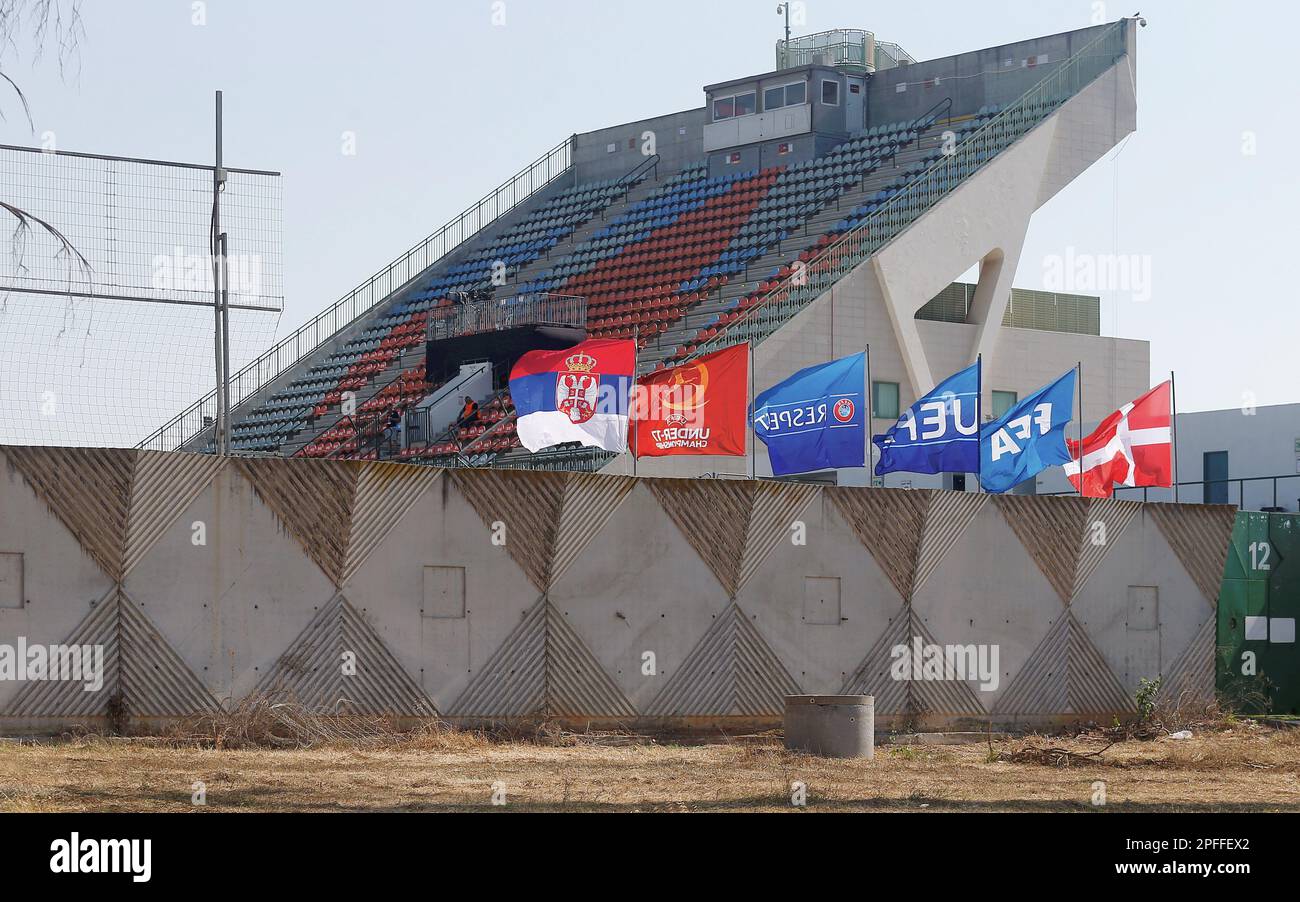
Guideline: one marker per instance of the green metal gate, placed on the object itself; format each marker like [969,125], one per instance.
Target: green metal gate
[1257,662]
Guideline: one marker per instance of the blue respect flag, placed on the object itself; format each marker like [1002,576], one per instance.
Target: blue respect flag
[939,433]
[815,420]
[1028,438]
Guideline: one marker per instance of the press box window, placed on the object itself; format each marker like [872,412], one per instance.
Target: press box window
[735,105]
[786,95]
[831,92]
[884,400]
[1003,401]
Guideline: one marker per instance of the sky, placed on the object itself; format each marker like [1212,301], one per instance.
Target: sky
[445,100]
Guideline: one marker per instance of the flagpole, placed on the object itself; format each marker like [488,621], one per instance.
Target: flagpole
[871,446]
[1079,365]
[636,365]
[979,422]
[1173,399]
[753,436]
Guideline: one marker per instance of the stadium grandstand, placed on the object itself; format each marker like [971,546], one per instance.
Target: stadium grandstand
[825,206]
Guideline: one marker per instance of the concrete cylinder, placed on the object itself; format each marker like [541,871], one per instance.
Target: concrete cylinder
[834,726]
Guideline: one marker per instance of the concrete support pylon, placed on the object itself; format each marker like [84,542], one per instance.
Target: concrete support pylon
[983,221]
[902,308]
[993,293]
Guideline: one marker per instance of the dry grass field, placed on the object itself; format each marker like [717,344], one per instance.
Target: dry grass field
[1235,766]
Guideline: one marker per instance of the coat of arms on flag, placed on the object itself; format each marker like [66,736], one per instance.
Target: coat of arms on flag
[578,394]
[578,388]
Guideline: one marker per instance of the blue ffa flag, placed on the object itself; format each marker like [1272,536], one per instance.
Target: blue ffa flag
[815,420]
[939,433]
[1028,438]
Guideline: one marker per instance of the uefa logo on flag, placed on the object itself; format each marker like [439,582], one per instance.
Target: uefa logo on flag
[843,410]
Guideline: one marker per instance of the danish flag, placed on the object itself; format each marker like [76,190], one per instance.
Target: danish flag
[1131,447]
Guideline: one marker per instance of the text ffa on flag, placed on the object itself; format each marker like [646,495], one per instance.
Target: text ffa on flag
[1028,438]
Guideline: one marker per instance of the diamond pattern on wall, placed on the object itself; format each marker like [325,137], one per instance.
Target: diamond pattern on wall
[590,499]
[1114,515]
[1066,674]
[311,670]
[529,506]
[89,490]
[139,667]
[775,507]
[385,492]
[1052,531]
[164,486]
[1199,534]
[1040,686]
[542,668]
[939,696]
[313,499]
[731,671]
[709,512]
[122,507]
[945,521]
[1190,681]
[872,676]
[889,522]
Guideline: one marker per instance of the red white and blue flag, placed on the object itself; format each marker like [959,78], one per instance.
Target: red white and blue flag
[579,394]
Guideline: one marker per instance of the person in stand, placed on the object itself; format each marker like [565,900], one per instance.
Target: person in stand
[467,413]
[392,428]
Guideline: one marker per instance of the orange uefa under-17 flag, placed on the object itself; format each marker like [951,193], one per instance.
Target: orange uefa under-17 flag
[696,408]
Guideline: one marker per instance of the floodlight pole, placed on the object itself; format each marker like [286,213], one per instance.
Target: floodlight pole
[225,334]
[221,422]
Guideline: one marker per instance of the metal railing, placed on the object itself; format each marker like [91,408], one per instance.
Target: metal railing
[846,48]
[809,282]
[580,460]
[494,314]
[452,431]
[892,55]
[418,423]
[1196,491]
[262,371]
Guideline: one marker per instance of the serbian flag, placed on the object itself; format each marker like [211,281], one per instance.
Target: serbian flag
[696,408]
[1131,447]
[579,394]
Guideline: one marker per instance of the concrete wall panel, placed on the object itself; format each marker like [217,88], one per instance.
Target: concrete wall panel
[60,581]
[820,645]
[229,628]
[486,595]
[638,587]
[988,590]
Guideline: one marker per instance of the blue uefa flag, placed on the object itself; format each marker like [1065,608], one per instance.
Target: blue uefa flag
[815,420]
[939,433]
[1028,438]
